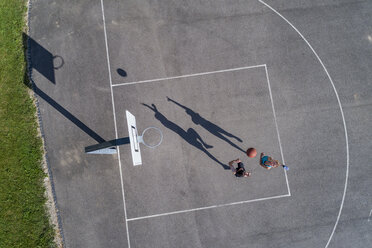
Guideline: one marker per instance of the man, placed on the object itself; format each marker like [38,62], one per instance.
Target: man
[239,171]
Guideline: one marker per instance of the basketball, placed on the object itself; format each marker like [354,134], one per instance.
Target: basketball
[251,152]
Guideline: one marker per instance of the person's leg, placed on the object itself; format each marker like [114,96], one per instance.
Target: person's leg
[276,163]
[197,137]
[247,174]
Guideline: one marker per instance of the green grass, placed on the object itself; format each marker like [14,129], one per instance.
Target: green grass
[23,218]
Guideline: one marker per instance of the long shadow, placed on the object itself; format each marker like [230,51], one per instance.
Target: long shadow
[67,114]
[28,81]
[190,136]
[107,144]
[209,126]
[40,59]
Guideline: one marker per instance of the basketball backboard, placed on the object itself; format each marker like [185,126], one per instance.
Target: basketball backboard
[133,137]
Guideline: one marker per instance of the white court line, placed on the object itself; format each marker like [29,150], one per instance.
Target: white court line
[203,208]
[228,204]
[370,213]
[342,114]
[277,128]
[190,75]
[116,129]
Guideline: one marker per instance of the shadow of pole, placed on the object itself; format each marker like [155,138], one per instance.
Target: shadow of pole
[68,115]
[107,144]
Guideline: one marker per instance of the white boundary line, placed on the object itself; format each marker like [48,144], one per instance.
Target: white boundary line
[116,129]
[189,75]
[233,203]
[277,128]
[370,213]
[342,114]
[208,207]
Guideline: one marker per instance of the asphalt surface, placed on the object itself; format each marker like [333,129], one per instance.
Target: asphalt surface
[183,195]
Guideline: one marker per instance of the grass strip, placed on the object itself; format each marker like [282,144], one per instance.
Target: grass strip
[23,217]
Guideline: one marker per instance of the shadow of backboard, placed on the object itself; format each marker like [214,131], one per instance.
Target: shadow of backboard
[41,59]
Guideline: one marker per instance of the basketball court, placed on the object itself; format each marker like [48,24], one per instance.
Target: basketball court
[199,170]
[175,91]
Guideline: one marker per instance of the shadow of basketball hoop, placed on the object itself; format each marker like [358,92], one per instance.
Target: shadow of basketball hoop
[58,62]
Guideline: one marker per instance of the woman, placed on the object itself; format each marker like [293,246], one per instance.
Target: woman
[268,163]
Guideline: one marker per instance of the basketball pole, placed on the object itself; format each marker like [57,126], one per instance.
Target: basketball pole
[108,147]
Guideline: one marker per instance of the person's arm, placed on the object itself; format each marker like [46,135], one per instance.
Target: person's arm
[262,154]
[234,161]
[231,163]
[232,166]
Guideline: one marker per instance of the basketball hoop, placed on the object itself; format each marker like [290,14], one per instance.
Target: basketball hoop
[153,135]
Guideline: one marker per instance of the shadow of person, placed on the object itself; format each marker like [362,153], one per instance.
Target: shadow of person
[190,136]
[209,126]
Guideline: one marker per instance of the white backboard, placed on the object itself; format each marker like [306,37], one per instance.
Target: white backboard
[133,138]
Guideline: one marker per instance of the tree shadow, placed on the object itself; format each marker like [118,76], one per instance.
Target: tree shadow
[190,136]
[58,62]
[209,126]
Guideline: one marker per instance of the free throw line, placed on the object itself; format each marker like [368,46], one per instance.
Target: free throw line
[203,208]
[189,75]
[342,115]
